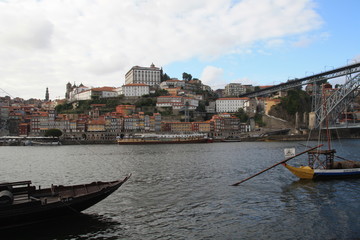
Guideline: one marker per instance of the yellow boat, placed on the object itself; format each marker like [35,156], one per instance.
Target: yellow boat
[303,172]
[306,172]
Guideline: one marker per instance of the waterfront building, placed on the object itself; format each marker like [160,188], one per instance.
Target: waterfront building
[24,129]
[145,75]
[39,123]
[113,124]
[177,127]
[202,127]
[225,122]
[96,125]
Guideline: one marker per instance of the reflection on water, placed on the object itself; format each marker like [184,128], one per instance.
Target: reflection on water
[81,226]
[183,192]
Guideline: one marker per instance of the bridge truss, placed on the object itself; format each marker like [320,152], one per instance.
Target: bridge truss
[335,103]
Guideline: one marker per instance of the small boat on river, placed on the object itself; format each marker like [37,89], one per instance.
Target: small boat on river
[163,139]
[321,163]
[21,203]
[322,166]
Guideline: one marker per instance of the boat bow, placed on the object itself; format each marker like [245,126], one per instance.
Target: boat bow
[303,172]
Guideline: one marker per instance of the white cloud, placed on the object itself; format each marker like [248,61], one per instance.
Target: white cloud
[357,58]
[50,42]
[306,40]
[213,77]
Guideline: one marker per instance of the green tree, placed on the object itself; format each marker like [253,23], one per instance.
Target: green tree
[296,101]
[164,77]
[160,92]
[258,120]
[242,115]
[53,132]
[186,76]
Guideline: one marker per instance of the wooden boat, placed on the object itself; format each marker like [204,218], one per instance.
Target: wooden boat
[335,170]
[163,139]
[321,164]
[21,203]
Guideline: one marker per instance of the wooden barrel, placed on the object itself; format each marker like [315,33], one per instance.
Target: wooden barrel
[6,197]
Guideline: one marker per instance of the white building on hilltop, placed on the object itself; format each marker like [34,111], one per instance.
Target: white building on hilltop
[135,90]
[229,105]
[144,75]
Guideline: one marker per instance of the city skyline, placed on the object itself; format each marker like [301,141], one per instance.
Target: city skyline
[51,43]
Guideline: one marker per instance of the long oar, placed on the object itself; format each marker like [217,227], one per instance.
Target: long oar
[283,161]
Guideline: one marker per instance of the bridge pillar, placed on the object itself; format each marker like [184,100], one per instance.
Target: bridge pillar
[297,120]
[312,120]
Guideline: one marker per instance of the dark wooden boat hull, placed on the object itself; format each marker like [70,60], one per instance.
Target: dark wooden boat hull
[336,174]
[36,211]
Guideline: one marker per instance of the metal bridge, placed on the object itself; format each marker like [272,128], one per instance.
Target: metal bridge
[334,104]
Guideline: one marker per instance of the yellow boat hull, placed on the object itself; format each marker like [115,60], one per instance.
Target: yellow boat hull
[306,172]
[303,172]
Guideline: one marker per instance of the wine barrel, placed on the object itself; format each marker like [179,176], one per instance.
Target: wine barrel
[6,197]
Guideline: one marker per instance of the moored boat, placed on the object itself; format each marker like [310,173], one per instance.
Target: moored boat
[21,203]
[163,139]
[306,172]
[321,163]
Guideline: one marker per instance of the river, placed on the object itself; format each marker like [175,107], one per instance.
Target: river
[184,192]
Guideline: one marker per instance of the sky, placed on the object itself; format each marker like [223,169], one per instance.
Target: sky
[48,43]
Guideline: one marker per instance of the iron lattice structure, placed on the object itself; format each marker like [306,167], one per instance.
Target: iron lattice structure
[335,73]
[336,103]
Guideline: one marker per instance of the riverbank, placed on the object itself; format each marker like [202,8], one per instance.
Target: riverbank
[350,133]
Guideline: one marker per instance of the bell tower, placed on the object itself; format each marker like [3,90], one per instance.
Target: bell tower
[47,95]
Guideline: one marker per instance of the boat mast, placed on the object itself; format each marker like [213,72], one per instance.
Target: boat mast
[328,136]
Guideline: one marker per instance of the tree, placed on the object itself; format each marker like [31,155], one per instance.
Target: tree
[160,92]
[242,115]
[164,77]
[186,76]
[53,132]
[296,101]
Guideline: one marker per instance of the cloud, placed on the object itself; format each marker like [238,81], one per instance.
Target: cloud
[50,42]
[306,40]
[213,77]
[357,58]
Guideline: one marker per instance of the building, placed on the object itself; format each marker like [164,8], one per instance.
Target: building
[269,103]
[230,104]
[125,110]
[135,89]
[145,75]
[177,102]
[83,93]
[234,89]
[172,83]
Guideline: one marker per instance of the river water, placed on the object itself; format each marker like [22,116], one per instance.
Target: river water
[183,192]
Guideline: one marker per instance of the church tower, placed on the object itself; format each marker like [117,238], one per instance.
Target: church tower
[47,95]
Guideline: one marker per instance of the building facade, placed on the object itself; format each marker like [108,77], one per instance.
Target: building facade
[135,89]
[230,104]
[234,89]
[145,75]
